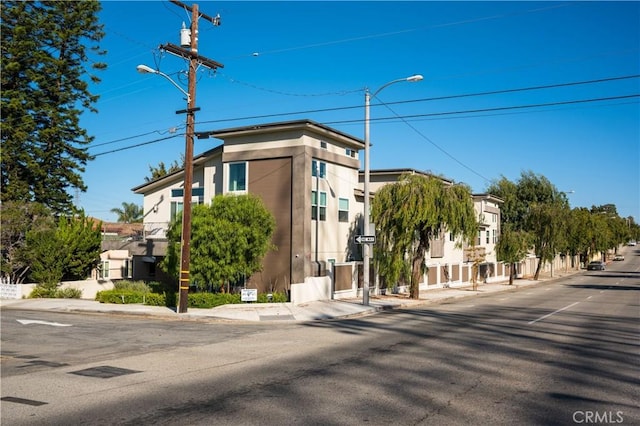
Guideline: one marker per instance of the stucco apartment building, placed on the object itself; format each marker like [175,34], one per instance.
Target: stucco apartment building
[302,170]
[449,261]
[308,176]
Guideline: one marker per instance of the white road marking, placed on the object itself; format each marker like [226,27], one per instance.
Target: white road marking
[552,313]
[55,324]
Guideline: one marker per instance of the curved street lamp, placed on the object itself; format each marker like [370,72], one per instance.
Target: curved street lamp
[185,242]
[144,69]
[366,248]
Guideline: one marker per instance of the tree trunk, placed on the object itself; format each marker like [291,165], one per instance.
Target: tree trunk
[512,272]
[416,271]
[538,268]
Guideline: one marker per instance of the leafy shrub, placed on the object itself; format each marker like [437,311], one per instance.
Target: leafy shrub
[120,296]
[47,291]
[140,286]
[210,300]
[195,300]
[277,297]
[68,293]
[156,299]
[158,287]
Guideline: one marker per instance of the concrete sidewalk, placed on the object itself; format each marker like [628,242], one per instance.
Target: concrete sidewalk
[265,312]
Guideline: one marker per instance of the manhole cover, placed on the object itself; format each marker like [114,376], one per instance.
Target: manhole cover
[104,372]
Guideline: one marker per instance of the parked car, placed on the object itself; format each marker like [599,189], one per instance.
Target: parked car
[631,243]
[595,266]
[618,257]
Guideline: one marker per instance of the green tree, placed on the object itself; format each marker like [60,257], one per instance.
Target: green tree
[534,205]
[46,70]
[512,247]
[511,211]
[161,170]
[578,231]
[229,238]
[46,256]
[129,213]
[69,250]
[82,240]
[545,223]
[17,219]
[411,212]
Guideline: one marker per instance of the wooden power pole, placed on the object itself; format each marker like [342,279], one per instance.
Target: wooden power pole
[194,61]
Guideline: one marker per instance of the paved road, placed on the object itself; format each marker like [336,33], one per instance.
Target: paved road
[559,353]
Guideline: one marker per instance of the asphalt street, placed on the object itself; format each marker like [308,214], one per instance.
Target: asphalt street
[560,353]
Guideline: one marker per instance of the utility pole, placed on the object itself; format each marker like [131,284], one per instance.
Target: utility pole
[194,60]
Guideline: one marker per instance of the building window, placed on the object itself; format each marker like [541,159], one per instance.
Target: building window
[494,218]
[322,168]
[351,152]
[323,205]
[343,210]
[323,145]
[176,208]
[104,270]
[479,240]
[195,192]
[495,236]
[488,240]
[451,236]
[237,177]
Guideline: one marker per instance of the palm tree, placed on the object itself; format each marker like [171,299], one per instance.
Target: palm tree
[129,213]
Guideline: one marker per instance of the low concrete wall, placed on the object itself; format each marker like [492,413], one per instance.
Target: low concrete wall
[89,289]
[313,288]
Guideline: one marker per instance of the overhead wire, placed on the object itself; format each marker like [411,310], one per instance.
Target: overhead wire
[438,98]
[405,31]
[415,116]
[423,136]
[138,145]
[575,101]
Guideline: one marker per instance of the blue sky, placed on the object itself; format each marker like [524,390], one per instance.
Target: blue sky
[295,60]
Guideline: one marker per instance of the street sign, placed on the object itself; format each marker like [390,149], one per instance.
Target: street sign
[365,239]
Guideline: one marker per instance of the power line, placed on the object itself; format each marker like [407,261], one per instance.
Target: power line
[138,145]
[414,117]
[434,144]
[173,129]
[417,116]
[438,98]
[409,30]
[513,107]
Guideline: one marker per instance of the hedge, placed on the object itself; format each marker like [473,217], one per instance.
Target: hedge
[195,300]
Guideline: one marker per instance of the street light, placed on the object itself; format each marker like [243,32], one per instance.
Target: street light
[183,285]
[366,248]
[144,69]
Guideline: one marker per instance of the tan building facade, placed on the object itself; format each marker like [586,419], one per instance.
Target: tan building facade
[306,174]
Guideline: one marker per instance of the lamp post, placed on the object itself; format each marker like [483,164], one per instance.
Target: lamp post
[144,69]
[366,248]
[183,282]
